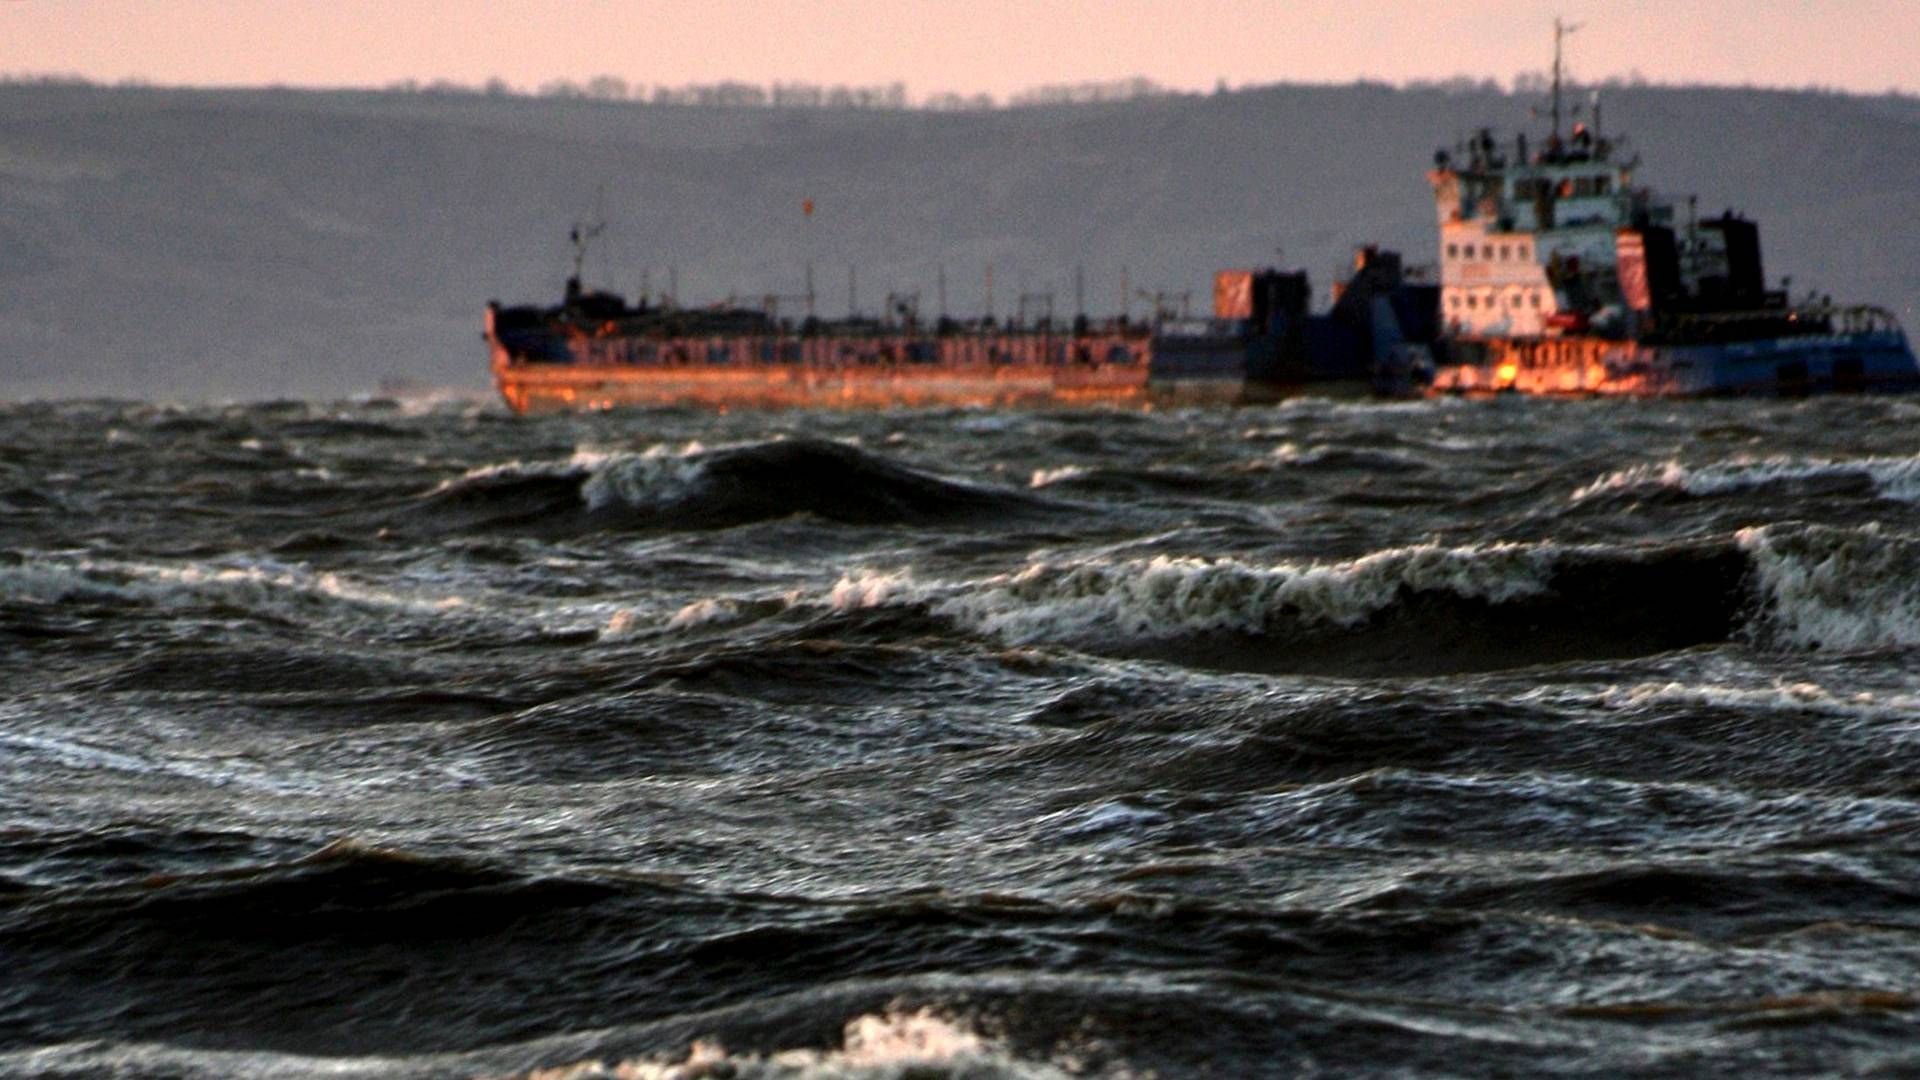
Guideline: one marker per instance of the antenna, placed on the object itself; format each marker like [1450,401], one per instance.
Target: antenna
[600,225]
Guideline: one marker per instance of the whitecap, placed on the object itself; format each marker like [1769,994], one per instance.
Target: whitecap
[1892,477]
[871,589]
[1828,588]
[1166,596]
[1058,474]
[893,1045]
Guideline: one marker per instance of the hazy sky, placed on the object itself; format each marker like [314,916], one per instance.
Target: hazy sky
[996,46]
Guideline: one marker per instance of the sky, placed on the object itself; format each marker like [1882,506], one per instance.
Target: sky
[998,47]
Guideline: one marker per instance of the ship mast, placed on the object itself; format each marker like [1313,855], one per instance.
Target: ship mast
[1560,30]
[580,236]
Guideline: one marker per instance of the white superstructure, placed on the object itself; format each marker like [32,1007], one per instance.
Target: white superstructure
[1527,234]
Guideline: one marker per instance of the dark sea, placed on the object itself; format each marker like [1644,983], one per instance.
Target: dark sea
[1446,738]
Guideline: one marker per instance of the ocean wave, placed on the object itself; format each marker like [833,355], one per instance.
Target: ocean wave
[891,1045]
[1896,478]
[1781,696]
[694,486]
[1169,597]
[294,593]
[263,586]
[1420,608]
[1325,456]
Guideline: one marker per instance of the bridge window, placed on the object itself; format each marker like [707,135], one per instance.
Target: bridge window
[1453,251]
[1486,251]
[1505,251]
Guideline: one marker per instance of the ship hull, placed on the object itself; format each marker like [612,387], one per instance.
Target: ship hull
[544,366]
[1167,382]
[1880,361]
[546,388]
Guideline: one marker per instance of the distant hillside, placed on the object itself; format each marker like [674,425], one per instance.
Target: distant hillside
[245,244]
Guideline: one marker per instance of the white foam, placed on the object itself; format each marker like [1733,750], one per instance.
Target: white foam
[1166,596]
[50,582]
[1047,477]
[1892,477]
[888,1046]
[254,586]
[873,588]
[654,476]
[1290,453]
[657,476]
[703,613]
[1827,588]
[513,468]
[1781,696]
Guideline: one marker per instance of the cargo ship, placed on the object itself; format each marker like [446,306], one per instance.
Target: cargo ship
[596,350]
[1559,275]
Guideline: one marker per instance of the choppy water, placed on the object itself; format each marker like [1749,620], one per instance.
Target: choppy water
[1439,738]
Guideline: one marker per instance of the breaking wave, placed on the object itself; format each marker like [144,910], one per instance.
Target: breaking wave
[694,487]
[1056,475]
[273,588]
[1410,610]
[1895,478]
[1164,596]
[1835,588]
[892,1045]
[1431,608]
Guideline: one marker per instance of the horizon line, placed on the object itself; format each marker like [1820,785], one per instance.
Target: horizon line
[898,97]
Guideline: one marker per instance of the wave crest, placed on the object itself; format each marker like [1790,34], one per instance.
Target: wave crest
[694,486]
[892,1045]
[1173,597]
[1832,588]
[1895,478]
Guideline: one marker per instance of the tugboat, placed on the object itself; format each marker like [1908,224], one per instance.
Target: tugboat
[1559,276]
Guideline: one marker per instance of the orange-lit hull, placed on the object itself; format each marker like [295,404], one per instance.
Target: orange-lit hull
[537,388]
[1870,360]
